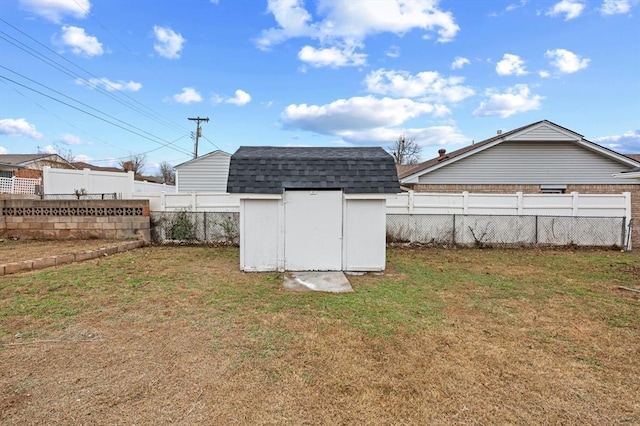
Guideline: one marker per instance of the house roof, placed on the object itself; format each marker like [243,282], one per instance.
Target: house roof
[24,160]
[209,154]
[82,165]
[271,170]
[501,137]
[21,159]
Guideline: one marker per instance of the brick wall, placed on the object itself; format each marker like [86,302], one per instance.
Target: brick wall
[28,173]
[74,219]
[634,189]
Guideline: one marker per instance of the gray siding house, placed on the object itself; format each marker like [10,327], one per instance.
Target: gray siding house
[541,157]
[207,173]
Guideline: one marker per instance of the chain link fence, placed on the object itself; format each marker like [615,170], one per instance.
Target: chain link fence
[491,230]
[195,227]
[438,230]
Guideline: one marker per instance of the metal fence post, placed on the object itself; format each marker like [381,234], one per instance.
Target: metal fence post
[453,230]
[204,224]
[624,223]
[536,238]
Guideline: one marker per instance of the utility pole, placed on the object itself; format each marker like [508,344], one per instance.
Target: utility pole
[198,133]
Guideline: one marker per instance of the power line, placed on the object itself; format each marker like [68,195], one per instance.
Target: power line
[155,115]
[82,103]
[92,115]
[65,121]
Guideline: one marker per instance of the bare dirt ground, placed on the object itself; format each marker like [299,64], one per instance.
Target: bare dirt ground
[18,250]
[178,335]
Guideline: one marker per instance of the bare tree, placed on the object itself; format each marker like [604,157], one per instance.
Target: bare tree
[166,173]
[406,150]
[65,153]
[135,163]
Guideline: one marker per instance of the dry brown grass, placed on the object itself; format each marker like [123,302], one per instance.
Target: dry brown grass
[178,335]
[15,251]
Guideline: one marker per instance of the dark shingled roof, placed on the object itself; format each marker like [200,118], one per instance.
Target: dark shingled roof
[271,170]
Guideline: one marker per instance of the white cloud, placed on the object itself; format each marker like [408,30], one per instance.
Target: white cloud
[241,98]
[358,113]
[544,74]
[428,85]
[168,42]
[55,10]
[346,24]
[80,42]
[515,100]
[111,86]
[570,8]
[615,7]
[189,95]
[515,6]
[565,61]
[331,57]
[393,52]
[69,139]
[629,142]
[18,127]
[3,150]
[511,65]
[385,136]
[459,62]
[49,149]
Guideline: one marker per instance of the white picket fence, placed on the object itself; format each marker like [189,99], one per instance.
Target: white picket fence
[66,181]
[16,185]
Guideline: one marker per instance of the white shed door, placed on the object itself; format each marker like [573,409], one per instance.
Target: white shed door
[313,230]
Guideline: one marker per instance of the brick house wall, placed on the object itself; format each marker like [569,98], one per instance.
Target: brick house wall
[633,188]
[28,173]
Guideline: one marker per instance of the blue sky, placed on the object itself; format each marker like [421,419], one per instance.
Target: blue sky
[107,79]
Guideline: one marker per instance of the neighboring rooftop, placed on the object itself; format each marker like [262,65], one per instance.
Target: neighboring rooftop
[82,165]
[21,159]
[447,156]
[271,170]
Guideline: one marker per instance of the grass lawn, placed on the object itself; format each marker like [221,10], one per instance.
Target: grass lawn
[179,335]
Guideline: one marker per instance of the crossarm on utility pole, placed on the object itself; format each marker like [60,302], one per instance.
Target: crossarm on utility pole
[198,133]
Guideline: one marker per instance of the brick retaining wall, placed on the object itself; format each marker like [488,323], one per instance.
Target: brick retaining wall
[74,219]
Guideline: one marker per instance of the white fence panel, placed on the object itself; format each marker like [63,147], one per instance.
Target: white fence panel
[152,187]
[65,181]
[194,202]
[574,204]
[494,204]
[16,185]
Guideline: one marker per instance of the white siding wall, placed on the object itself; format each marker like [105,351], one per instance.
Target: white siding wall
[544,132]
[208,173]
[537,163]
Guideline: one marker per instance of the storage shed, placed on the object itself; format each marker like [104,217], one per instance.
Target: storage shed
[312,209]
